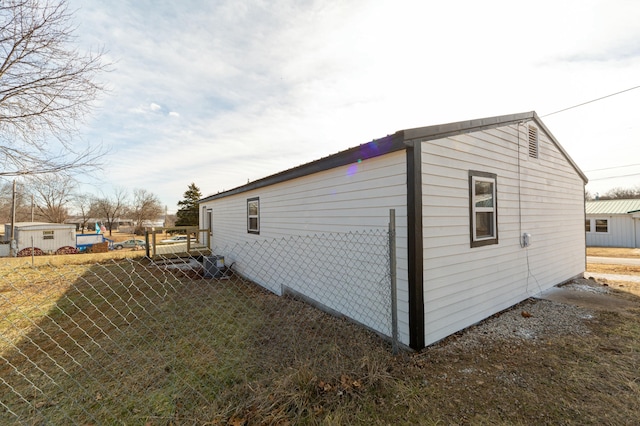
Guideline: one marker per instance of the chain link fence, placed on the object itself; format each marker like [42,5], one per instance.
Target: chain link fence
[186,340]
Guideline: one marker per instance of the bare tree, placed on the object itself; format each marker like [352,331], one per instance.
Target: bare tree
[46,89]
[146,206]
[169,220]
[23,203]
[53,195]
[621,194]
[110,209]
[84,206]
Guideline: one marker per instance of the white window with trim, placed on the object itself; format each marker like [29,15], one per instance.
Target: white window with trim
[253,215]
[598,226]
[483,208]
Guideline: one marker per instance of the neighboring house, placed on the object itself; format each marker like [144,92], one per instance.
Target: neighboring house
[613,223]
[44,237]
[489,212]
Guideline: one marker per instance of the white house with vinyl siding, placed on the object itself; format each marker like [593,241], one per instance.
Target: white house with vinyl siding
[613,223]
[488,212]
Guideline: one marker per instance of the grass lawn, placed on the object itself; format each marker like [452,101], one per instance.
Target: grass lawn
[613,252]
[123,342]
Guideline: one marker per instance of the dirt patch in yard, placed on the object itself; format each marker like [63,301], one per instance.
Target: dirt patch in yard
[605,268]
[613,252]
[618,275]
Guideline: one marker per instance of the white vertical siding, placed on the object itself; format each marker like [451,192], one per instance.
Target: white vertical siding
[340,200]
[621,231]
[543,197]
[61,237]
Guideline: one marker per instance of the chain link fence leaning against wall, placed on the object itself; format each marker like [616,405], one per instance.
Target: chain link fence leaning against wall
[186,339]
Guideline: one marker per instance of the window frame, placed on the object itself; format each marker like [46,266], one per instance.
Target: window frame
[593,226]
[475,240]
[251,201]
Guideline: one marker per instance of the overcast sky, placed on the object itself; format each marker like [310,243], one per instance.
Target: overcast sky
[221,92]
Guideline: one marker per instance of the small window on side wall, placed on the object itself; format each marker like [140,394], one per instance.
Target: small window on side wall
[483,208]
[253,215]
[602,225]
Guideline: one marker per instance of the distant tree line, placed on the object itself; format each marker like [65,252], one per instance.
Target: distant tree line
[56,199]
[615,194]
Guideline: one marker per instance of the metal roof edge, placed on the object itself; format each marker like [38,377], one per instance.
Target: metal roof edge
[621,207]
[467,126]
[566,155]
[398,141]
[375,148]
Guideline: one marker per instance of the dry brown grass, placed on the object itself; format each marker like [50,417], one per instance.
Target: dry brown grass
[229,353]
[602,268]
[613,252]
[605,268]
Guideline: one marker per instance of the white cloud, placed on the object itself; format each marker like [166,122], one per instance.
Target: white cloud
[264,87]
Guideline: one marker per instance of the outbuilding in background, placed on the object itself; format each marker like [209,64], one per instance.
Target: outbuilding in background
[613,223]
[44,238]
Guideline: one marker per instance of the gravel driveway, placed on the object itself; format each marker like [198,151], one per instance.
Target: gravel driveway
[564,310]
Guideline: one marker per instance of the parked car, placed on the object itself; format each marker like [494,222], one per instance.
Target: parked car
[177,239]
[129,244]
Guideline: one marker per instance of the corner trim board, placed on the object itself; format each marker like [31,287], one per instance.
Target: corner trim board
[415,247]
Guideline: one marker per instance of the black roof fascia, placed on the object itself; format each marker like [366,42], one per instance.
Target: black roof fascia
[375,148]
[450,129]
[564,153]
[445,130]
[392,143]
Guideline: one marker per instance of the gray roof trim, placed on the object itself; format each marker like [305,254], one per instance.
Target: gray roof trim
[451,129]
[365,151]
[445,130]
[566,155]
[396,142]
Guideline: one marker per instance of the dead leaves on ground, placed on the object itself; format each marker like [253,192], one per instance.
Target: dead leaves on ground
[346,385]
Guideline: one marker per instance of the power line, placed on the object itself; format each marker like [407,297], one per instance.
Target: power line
[615,177]
[611,168]
[593,100]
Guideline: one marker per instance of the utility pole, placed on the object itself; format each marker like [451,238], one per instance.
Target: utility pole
[12,240]
[165,215]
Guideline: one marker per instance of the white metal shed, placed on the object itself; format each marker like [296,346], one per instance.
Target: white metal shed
[489,212]
[48,237]
[613,223]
